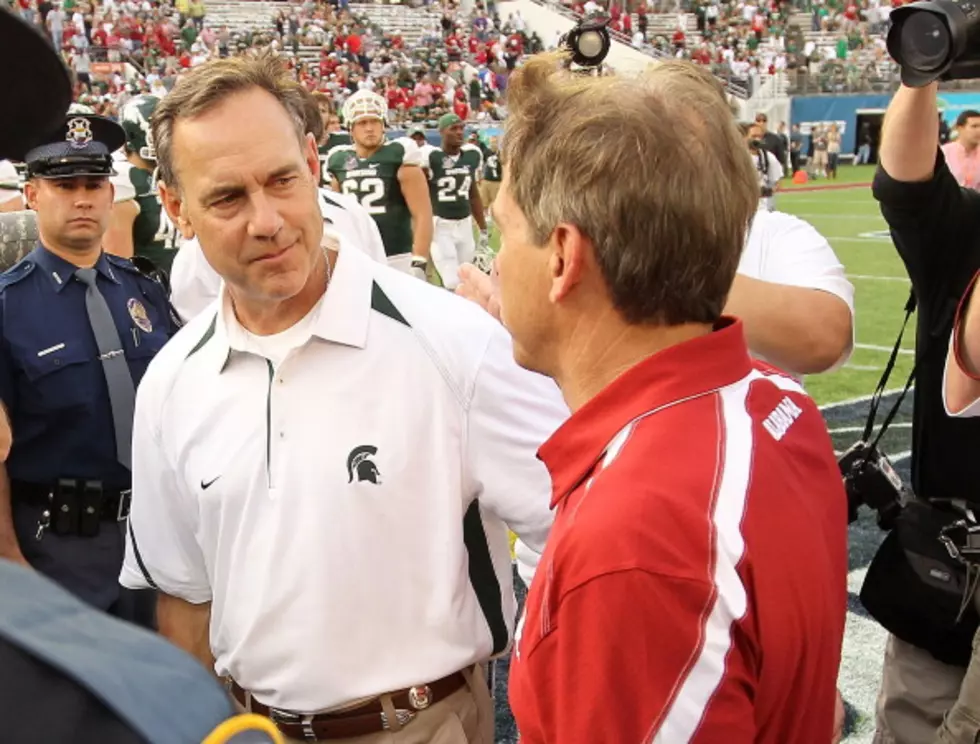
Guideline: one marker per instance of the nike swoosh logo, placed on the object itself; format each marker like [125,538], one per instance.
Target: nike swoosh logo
[206,486]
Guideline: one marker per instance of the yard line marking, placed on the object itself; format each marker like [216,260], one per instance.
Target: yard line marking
[856,429]
[872,277]
[864,367]
[861,399]
[828,216]
[873,347]
[900,456]
[853,239]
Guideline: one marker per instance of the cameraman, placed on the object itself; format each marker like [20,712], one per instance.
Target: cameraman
[934,225]
[766,165]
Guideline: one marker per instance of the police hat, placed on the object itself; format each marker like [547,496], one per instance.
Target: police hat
[82,146]
[38,100]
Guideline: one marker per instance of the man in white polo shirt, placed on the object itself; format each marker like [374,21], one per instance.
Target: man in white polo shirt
[194,284]
[326,465]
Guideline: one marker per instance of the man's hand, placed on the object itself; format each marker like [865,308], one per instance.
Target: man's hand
[476,286]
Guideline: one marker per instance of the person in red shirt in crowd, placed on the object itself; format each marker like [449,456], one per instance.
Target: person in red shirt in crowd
[679,38]
[693,587]
[460,107]
[627,22]
[473,44]
[397,42]
[354,45]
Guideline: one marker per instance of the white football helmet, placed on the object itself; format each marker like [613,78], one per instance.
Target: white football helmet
[364,104]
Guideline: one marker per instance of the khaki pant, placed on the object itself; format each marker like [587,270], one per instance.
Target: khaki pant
[488,192]
[916,691]
[924,701]
[465,717]
[961,724]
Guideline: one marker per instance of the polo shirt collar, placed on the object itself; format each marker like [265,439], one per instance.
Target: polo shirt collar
[679,372]
[59,271]
[342,318]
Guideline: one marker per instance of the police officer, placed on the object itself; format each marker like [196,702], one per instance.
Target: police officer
[79,327]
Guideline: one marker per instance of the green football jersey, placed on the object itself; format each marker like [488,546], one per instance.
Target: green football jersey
[450,180]
[334,139]
[154,235]
[373,181]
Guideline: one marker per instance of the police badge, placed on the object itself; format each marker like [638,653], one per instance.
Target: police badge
[138,313]
[79,132]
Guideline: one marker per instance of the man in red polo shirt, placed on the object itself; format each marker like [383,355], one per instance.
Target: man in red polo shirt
[693,588]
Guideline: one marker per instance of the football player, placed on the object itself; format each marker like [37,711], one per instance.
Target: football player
[140,227]
[387,179]
[454,170]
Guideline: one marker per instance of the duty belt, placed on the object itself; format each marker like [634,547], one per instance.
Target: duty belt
[74,506]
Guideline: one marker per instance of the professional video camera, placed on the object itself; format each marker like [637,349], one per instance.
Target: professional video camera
[936,40]
[588,43]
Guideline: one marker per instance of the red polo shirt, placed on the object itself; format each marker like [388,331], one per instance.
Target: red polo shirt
[693,588]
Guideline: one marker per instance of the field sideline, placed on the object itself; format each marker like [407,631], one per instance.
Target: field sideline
[849,218]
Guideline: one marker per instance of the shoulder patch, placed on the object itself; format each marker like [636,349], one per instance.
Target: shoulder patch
[16,273]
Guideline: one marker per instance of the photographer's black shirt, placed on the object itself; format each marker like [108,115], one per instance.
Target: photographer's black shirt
[936,228]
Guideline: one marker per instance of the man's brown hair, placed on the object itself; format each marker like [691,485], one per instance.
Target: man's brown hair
[206,86]
[651,168]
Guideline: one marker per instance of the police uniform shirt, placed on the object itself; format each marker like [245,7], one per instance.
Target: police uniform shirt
[346,511]
[51,378]
[783,249]
[53,386]
[194,284]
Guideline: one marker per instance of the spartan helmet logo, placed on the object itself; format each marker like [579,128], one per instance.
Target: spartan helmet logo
[360,464]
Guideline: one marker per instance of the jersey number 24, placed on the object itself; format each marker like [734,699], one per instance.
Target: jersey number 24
[447,191]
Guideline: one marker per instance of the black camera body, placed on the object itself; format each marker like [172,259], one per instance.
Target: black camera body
[870,480]
[936,40]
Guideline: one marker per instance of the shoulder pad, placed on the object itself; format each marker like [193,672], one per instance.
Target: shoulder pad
[15,273]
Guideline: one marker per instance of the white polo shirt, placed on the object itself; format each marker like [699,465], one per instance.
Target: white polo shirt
[783,249]
[195,285]
[345,512]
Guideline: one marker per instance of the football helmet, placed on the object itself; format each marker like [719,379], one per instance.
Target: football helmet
[135,120]
[364,104]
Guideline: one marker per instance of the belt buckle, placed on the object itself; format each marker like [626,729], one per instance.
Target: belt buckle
[125,499]
[285,717]
[420,697]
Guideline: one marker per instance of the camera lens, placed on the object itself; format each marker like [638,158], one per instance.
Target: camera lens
[925,42]
[590,44]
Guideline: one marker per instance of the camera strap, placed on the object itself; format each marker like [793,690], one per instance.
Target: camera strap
[869,426]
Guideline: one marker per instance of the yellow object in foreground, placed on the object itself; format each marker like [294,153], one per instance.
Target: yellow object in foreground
[247,723]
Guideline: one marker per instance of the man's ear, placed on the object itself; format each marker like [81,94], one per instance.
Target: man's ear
[569,257]
[312,156]
[173,202]
[30,195]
